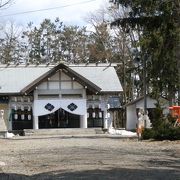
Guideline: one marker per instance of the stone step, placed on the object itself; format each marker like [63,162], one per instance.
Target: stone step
[63,131]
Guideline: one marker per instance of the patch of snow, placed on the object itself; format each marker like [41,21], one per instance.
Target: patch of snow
[121,132]
[2,163]
[9,135]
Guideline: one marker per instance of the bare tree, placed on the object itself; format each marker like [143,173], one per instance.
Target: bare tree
[5,3]
[9,44]
[112,44]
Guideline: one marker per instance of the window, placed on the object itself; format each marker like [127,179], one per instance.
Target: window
[48,96]
[70,96]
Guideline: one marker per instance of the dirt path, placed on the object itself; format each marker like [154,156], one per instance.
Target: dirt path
[88,158]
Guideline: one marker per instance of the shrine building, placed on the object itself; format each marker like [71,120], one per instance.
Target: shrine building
[59,96]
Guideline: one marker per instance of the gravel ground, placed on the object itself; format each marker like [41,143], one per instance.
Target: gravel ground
[58,157]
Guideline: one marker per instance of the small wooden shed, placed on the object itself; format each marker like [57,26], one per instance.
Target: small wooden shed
[133,107]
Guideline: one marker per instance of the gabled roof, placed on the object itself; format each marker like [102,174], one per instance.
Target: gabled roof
[82,80]
[23,79]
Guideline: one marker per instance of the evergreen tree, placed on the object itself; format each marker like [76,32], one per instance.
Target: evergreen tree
[74,44]
[157,22]
[99,46]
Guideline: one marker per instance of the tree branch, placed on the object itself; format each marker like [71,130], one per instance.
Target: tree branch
[4,3]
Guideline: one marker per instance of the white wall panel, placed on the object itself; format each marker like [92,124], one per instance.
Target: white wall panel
[53,85]
[76,85]
[42,86]
[55,77]
[66,85]
[65,77]
[131,115]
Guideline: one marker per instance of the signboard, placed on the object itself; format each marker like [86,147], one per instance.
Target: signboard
[114,102]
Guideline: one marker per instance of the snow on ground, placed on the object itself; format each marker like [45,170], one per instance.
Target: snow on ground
[122,132]
[9,135]
[2,163]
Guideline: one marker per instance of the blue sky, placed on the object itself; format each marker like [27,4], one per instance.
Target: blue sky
[69,11]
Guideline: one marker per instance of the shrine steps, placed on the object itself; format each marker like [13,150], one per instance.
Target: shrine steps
[63,131]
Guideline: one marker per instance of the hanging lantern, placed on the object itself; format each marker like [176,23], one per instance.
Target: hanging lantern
[15,116]
[93,114]
[100,114]
[15,107]
[22,116]
[29,116]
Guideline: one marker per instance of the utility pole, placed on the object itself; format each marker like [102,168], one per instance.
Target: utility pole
[145,85]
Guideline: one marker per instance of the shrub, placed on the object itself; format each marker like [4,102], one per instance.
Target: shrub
[162,128]
[162,133]
[148,134]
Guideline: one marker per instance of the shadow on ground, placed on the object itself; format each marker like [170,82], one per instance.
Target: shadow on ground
[114,173]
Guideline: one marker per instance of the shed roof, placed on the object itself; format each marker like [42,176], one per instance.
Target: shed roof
[161,100]
[14,79]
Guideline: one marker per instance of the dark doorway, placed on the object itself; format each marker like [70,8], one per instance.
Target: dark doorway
[59,119]
[21,119]
[95,118]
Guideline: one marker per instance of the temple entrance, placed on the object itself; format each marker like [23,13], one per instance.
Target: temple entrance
[59,119]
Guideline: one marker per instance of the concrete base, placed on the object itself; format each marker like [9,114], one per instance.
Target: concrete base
[63,131]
